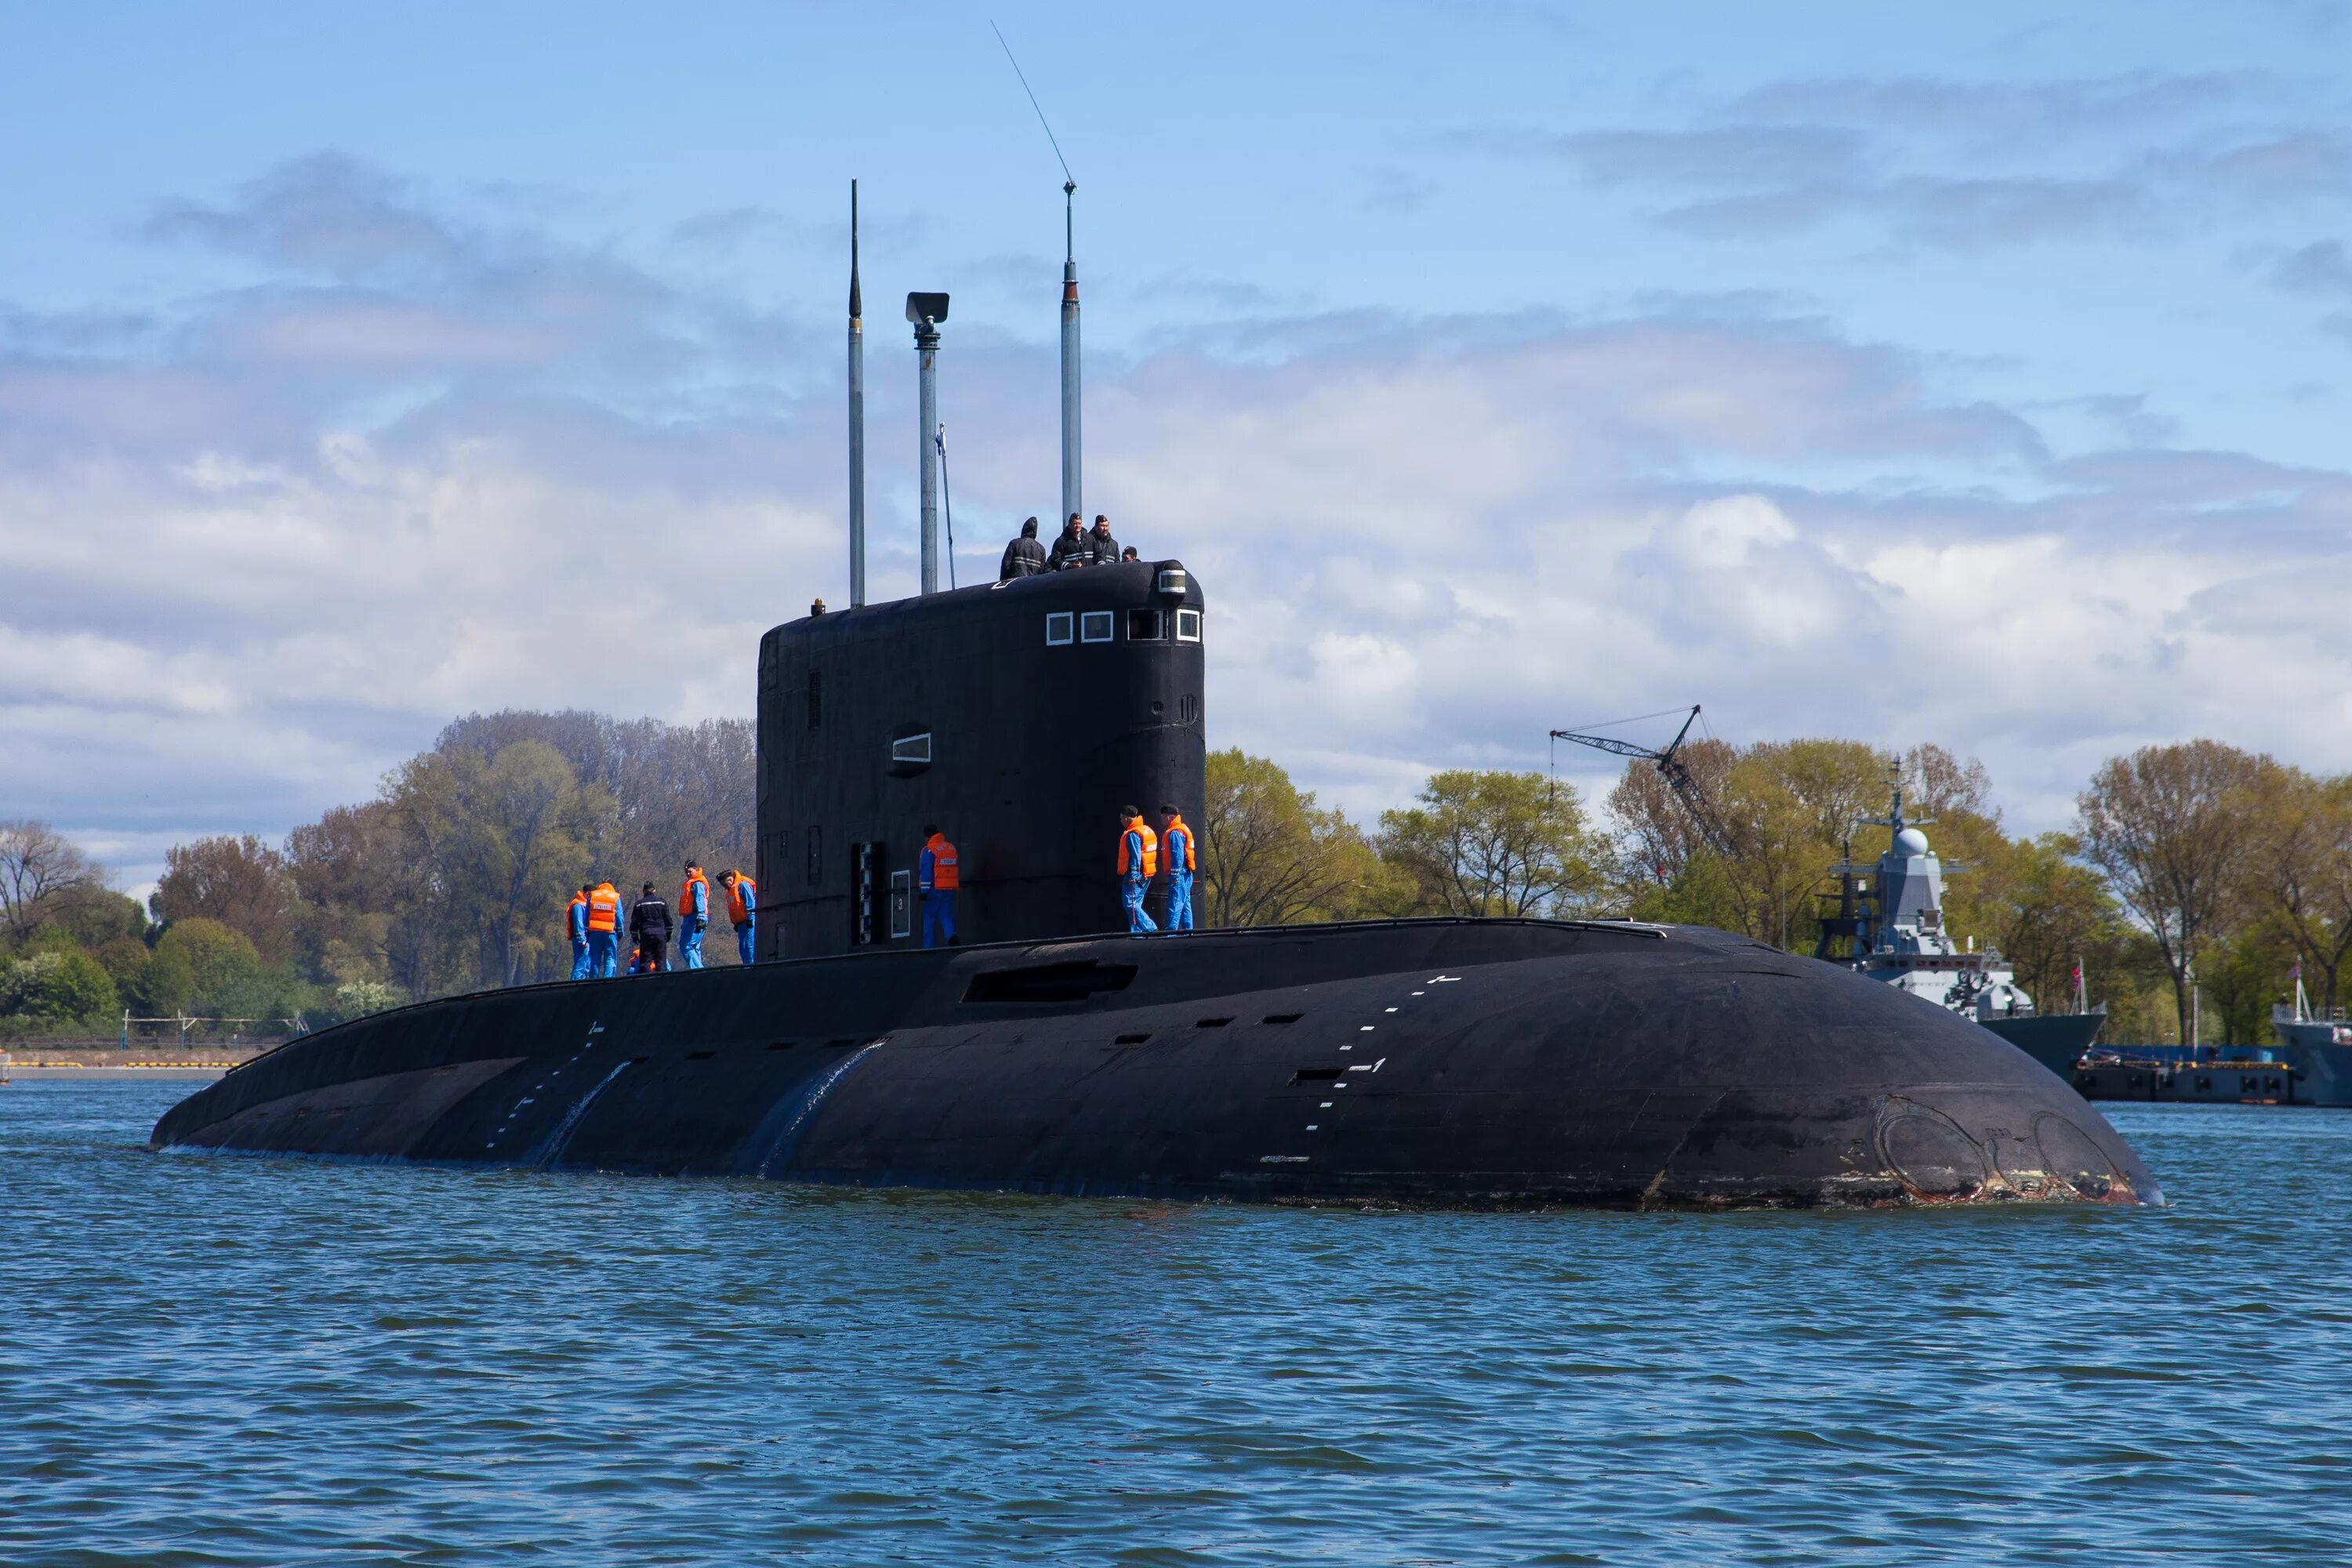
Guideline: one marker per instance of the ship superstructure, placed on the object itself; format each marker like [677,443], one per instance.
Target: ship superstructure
[1891,916]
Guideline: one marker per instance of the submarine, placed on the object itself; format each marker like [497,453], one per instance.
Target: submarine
[1449,1063]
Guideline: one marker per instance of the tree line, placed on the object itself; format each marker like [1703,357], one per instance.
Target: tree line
[453,879]
[2192,872]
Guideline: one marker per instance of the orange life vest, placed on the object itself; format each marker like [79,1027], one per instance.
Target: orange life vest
[945,878]
[742,898]
[1176,825]
[570,912]
[686,895]
[1150,842]
[605,909]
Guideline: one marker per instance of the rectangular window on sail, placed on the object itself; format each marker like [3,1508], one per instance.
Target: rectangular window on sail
[1188,625]
[1057,629]
[1096,625]
[1147,626]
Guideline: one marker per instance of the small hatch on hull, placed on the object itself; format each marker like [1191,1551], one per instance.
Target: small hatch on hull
[1073,982]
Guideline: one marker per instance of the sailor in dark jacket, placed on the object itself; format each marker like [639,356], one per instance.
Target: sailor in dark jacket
[1102,550]
[1024,557]
[1070,550]
[649,924]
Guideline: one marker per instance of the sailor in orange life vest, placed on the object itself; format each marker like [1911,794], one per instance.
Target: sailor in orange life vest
[742,909]
[1176,848]
[575,920]
[1138,862]
[693,916]
[604,930]
[941,880]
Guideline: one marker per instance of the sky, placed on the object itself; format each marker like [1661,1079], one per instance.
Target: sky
[1976,375]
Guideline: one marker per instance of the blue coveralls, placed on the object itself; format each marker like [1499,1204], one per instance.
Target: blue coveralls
[939,906]
[1135,884]
[580,940]
[691,921]
[1176,847]
[748,891]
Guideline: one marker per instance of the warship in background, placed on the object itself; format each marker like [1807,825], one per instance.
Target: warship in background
[1890,912]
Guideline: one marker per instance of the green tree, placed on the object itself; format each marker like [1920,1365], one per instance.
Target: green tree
[37,863]
[2170,826]
[199,967]
[2300,867]
[1496,844]
[2053,913]
[498,842]
[2242,976]
[1269,855]
[53,986]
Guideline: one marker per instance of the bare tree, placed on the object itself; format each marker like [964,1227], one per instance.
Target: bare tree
[2169,827]
[240,883]
[36,862]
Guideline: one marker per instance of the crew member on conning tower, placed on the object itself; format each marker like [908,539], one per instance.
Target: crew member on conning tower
[1023,557]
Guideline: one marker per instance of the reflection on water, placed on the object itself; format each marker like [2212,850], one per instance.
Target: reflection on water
[269,1360]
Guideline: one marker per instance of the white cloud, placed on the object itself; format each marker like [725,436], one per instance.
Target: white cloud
[241,583]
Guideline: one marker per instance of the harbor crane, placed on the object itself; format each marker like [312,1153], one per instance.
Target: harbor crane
[1678,777]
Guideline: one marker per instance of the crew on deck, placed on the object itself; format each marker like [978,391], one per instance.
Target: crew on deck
[693,916]
[649,924]
[941,877]
[1176,847]
[575,920]
[1138,862]
[603,930]
[743,907]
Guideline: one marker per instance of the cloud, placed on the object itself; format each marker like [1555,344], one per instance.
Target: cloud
[263,544]
[2321,268]
[1957,165]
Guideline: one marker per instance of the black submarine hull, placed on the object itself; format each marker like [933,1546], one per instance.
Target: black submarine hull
[1432,1063]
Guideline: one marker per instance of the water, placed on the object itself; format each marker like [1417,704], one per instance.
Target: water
[243,1360]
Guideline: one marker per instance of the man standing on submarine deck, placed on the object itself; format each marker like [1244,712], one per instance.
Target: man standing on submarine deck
[1138,862]
[1176,847]
[941,877]
[603,930]
[742,911]
[575,918]
[693,916]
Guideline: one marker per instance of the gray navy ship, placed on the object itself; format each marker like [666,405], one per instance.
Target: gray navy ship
[1498,1063]
[1891,916]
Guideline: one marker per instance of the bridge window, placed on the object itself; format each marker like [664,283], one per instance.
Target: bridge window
[1057,628]
[1147,626]
[1096,626]
[1188,625]
[912,748]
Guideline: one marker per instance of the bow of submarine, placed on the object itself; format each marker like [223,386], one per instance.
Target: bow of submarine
[1418,1062]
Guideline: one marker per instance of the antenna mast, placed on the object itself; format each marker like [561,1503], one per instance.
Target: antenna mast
[1073,476]
[857,418]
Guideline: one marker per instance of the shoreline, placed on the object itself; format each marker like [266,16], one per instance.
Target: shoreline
[52,1064]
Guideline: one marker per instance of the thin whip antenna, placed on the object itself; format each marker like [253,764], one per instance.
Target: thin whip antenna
[993,27]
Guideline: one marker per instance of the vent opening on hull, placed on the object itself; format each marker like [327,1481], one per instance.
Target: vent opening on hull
[1073,982]
[1283,1018]
[1211,1023]
[700,1056]
[1133,1039]
[1317,1075]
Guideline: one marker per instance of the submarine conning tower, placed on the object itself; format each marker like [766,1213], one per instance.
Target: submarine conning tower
[1018,716]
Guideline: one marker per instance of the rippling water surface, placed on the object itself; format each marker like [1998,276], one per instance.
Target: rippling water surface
[222,1360]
